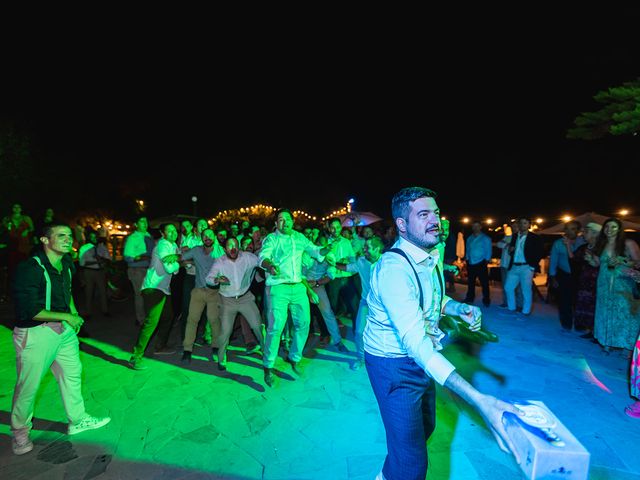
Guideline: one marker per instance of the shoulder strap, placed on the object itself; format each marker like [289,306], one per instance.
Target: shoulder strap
[47,280]
[402,254]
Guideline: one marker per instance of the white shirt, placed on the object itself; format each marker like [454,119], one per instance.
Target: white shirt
[362,267]
[518,254]
[159,272]
[396,322]
[135,244]
[285,251]
[238,271]
[341,251]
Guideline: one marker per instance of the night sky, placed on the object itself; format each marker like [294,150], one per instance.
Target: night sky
[480,119]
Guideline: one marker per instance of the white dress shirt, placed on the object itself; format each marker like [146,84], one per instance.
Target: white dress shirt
[362,267]
[396,324]
[518,254]
[238,271]
[159,272]
[341,251]
[285,252]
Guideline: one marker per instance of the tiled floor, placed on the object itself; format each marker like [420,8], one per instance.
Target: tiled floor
[172,422]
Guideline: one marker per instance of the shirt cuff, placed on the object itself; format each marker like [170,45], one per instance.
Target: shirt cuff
[439,368]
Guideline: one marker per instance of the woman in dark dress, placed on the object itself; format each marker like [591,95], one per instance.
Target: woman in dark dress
[587,279]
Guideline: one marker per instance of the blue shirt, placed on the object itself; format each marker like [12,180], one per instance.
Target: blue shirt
[478,248]
[560,255]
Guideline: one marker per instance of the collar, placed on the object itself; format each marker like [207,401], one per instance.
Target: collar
[416,253]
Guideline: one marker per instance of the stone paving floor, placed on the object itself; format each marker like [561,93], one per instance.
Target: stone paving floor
[172,422]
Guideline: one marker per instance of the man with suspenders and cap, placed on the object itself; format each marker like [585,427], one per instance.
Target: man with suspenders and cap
[45,336]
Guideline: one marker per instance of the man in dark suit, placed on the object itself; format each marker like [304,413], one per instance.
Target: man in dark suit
[526,252]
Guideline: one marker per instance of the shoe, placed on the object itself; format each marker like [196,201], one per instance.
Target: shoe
[222,363]
[632,410]
[269,378]
[21,448]
[503,305]
[137,364]
[295,366]
[587,335]
[340,346]
[88,423]
[252,348]
[357,365]
[164,351]
[186,357]
[324,341]
[486,304]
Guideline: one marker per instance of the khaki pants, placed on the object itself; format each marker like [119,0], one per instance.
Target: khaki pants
[231,306]
[50,345]
[136,276]
[285,298]
[201,298]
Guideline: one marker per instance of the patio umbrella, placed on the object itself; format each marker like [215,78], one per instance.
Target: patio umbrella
[358,219]
[585,218]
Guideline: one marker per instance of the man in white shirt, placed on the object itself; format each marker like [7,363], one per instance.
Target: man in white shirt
[341,286]
[156,290]
[92,257]
[281,257]
[137,253]
[373,247]
[405,303]
[234,273]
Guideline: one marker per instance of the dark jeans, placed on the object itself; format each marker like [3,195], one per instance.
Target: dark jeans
[344,289]
[566,298]
[479,270]
[407,400]
[158,314]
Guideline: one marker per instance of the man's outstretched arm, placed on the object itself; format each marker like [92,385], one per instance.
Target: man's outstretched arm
[490,408]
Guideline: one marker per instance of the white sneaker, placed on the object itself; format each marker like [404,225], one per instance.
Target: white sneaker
[88,423]
[21,448]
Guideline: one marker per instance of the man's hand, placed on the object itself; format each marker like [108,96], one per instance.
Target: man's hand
[273,269]
[173,257]
[553,282]
[223,280]
[471,315]
[74,321]
[492,411]
[313,296]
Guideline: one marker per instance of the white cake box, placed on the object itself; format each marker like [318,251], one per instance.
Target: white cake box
[546,448]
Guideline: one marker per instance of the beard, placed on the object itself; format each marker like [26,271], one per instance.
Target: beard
[424,240]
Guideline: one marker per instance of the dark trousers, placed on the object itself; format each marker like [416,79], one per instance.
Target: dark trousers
[159,315]
[479,271]
[406,397]
[188,284]
[344,289]
[566,294]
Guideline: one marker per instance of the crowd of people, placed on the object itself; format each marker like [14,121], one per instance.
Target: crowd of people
[278,283]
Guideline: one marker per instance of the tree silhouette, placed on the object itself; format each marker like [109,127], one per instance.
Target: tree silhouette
[619,115]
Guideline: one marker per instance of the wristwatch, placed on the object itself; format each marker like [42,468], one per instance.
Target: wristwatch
[317,284]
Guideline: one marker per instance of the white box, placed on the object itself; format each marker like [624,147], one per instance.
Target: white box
[547,449]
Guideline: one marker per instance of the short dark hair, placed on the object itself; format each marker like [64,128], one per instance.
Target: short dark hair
[283,210]
[47,230]
[401,200]
[377,242]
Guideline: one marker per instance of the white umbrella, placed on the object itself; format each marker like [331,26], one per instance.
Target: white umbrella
[586,218]
[358,219]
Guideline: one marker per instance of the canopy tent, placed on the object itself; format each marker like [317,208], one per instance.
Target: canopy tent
[586,218]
